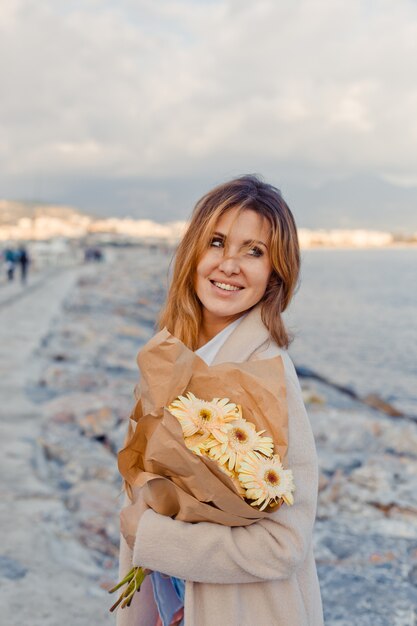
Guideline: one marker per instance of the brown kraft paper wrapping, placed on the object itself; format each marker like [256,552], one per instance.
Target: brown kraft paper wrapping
[175,481]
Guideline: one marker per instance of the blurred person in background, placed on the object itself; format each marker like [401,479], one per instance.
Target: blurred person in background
[24,261]
[10,260]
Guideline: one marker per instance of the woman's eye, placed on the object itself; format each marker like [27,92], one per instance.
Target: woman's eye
[216,242]
[255,251]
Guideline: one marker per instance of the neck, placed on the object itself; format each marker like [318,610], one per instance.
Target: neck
[212,326]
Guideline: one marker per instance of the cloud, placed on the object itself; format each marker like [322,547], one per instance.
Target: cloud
[137,88]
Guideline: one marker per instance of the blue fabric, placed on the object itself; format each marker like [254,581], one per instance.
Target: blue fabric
[169,595]
[179,586]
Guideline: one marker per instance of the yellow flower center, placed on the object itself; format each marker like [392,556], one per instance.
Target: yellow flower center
[272,478]
[240,435]
[205,415]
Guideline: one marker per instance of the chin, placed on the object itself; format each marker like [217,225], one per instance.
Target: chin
[226,311]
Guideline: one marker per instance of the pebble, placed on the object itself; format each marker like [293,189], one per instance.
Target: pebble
[11,569]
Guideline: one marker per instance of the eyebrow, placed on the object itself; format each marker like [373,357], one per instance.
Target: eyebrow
[245,243]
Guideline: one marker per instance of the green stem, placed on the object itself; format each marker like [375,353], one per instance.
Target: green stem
[125,580]
[116,604]
[134,580]
[129,599]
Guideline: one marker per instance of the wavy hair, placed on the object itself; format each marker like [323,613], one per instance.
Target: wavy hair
[182,312]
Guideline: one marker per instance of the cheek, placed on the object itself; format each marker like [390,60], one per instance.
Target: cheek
[200,276]
[260,277]
[205,266]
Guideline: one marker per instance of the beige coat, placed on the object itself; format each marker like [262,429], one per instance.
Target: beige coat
[258,575]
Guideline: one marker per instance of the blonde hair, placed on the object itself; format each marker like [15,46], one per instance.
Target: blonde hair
[182,312]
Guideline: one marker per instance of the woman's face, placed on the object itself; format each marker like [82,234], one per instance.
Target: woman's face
[231,281]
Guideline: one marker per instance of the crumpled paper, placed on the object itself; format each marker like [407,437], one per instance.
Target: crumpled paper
[175,481]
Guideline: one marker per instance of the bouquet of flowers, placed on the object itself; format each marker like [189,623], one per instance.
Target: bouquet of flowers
[198,459]
[217,429]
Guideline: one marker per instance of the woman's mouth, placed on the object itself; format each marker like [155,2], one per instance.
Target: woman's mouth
[225,286]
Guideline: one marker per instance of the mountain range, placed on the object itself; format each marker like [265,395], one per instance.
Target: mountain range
[359,202]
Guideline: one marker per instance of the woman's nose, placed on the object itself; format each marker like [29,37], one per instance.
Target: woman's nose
[230,265]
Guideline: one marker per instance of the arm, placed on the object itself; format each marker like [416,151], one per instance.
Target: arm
[270,549]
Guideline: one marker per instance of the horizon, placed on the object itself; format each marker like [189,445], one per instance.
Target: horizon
[395,228]
[36,222]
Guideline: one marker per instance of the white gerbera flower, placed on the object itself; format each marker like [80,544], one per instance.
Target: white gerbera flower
[224,413]
[239,439]
[266,481]
[190,412]
[197,415]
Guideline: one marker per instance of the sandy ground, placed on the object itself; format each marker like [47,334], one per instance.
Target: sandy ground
[45,578]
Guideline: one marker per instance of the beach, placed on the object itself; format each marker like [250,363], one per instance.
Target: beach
[68,364]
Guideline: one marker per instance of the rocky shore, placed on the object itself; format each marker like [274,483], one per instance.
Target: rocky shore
[366,528]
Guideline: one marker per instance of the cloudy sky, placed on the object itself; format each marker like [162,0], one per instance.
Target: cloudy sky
[137,107]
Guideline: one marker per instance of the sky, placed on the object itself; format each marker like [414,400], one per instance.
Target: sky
[137,107]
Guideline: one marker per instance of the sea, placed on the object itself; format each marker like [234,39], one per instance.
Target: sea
[354,321]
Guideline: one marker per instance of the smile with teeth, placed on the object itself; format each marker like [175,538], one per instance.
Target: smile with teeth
[226,287]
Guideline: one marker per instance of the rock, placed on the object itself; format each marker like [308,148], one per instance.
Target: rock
[137,333]
[55,451]
[377,403]
[386,480]
[323,482]
[117,436]
[382,558]
[98,423]
[71,554]
[76,404]
[311,396]
[64,417]
[400,441]
[412,576]
[343,547]
[119,364]
[11,569]
[94,505]
[335,461]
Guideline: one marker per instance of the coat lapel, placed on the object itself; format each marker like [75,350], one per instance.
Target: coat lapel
[247,337]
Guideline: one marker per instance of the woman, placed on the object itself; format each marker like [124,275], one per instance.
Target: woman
[235,273]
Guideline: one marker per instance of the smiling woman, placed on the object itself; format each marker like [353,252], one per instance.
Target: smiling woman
[235,273]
